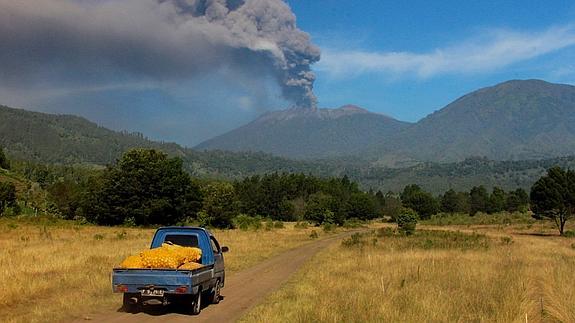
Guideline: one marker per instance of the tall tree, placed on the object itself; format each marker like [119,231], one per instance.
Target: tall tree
[517,200]
[219,205]
[4,163]
[497,200]
[553,196]
[319,209]
[422,202]
[7,196]
[478,200]
[449,201]
[145,187]
[361,206]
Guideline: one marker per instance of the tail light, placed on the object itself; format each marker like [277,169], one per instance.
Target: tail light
[121,288]
[181,289]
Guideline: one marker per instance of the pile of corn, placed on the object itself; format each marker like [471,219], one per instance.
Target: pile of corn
[167,256]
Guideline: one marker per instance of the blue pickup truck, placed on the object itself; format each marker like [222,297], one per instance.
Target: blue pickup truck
[167,286]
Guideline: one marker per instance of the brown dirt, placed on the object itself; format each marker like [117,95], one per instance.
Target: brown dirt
[243,290]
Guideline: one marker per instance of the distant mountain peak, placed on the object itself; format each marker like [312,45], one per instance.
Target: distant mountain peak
[352,108]
[301,132]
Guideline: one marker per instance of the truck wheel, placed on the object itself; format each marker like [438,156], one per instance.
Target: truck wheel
[128,303]
[215,295]
[197,305]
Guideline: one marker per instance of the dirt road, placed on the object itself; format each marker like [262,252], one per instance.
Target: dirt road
[242,291]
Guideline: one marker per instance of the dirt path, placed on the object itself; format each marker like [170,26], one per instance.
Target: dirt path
[243,290]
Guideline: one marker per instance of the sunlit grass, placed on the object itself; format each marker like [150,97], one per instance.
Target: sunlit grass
[53,270]
[430,277]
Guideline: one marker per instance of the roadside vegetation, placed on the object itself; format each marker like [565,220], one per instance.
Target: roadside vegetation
[430,276]
[56,269]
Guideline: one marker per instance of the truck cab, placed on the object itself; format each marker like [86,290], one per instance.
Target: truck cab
[164,286]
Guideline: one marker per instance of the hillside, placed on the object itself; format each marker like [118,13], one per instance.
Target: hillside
[66,139]
[309,133]
[510,121]
[514,120]
[75,140]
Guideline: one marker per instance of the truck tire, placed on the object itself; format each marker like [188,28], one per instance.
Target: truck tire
[215,294]
[127,305]
[197,304]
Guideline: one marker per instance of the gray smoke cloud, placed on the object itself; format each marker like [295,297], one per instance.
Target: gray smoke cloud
[95,43]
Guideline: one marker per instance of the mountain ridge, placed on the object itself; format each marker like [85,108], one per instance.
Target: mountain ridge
[308,133]
[513,120]
[516,119]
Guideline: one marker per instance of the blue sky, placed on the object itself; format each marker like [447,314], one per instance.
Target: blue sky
[512,39]
[186,71]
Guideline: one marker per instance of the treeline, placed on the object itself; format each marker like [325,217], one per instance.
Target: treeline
[478,199]
[147,187]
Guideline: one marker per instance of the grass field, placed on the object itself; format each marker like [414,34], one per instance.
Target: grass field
[52,270]
[512,273]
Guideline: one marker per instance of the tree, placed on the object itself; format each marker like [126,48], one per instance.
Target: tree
[497,200]
[144,187]
[318,209]
[219,206]
[7,196]
[478,200]
[391,206]
[553,196]
[422,202]
[4,163]
[449,202]
[517,200]
[66,197]
[361,206]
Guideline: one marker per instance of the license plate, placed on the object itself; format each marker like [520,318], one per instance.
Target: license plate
[152,292]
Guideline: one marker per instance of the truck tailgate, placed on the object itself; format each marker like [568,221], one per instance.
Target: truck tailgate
[135,279]
[151,277]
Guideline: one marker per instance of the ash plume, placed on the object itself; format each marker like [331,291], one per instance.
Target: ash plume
[95,43]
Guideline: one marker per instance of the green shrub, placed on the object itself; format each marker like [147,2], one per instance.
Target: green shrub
[278,225]
[98,236]
[569,234]
[406,221]
[246,222]
[314,235]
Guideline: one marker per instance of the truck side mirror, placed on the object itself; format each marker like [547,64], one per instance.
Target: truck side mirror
[225,249]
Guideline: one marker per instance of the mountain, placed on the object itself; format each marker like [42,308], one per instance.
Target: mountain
[63,139]
[309,133]
[514,120]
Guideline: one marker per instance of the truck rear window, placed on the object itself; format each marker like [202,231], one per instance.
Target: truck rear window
[182,240]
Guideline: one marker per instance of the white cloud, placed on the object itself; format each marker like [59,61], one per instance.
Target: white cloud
[494,50]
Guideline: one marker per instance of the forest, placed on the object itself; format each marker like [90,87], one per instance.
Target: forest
[148,187]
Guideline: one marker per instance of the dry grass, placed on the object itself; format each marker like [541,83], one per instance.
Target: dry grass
[54,270]
[432,277]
